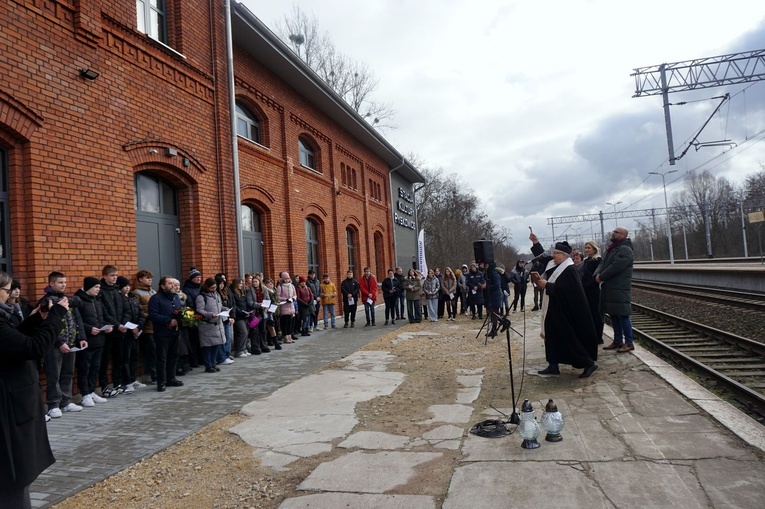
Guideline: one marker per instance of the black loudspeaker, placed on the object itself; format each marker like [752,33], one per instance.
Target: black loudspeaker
[483,251]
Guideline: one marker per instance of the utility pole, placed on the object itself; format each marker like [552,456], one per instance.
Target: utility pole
[666,206]
[616,224]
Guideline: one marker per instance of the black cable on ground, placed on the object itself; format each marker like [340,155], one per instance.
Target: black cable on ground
[490,428]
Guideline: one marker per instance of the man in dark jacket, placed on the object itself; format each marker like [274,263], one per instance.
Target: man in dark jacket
[390,289]
[94,323]
[615,274]
[350,289]
[192,288]
[24,447]
[401,297]
[115,315]
[163,310]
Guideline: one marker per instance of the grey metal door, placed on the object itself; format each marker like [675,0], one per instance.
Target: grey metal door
[252,239]
[157,227]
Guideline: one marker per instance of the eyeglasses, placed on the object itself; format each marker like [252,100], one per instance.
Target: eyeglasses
[7,290]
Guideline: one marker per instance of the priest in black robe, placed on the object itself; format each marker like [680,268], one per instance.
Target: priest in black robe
[567,327]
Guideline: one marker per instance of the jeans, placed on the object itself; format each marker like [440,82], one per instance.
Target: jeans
[369,311]
[209,355]
[228,331]
[167,357]
[329,312]
[59,368]
[413,309]
[622,329]
[433,308]
[401,306]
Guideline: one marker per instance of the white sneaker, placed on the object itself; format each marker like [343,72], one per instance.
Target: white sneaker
[128,389]
[87,401]
[47,418]
[241,355]
[97,398]
[71,407]
[137,385]
[227,362]
[54,413]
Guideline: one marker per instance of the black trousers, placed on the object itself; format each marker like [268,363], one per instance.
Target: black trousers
[129,357]
[166,348]
[111,352]
[88,362]
[350,313]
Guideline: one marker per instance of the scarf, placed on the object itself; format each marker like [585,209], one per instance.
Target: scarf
[553,277]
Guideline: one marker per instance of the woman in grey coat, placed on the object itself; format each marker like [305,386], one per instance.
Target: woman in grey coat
[212,337]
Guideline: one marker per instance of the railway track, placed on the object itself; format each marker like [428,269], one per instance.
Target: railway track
[735,363]
[722,296]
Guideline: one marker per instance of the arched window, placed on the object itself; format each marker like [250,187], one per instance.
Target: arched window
[250,219]
[312,244]
[342,173]
[247,125]
[379,254]
[155,195]
[351,240]
[306,154]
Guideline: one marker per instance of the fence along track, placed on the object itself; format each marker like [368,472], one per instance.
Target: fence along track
[722,296]
[735,362]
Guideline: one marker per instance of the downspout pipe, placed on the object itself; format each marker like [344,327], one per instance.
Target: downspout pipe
[234,144]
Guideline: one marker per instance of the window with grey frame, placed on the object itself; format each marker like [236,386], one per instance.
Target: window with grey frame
[350,240]
[151,18]
[312,244]
[307,157]
[5,234]
[154,195]
[247,125]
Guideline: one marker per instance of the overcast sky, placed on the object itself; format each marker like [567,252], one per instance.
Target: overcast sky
[530,102]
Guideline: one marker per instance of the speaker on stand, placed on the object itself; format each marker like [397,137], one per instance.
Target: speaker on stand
[483,251]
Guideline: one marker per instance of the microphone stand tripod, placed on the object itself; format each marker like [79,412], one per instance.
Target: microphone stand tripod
[504,326]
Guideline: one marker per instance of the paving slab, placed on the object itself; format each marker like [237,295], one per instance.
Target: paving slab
[374,440]
[455,414]
[352,500]
[366,472]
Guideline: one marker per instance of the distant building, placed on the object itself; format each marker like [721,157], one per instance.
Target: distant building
[116,147]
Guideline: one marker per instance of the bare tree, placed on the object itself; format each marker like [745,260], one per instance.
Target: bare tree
[353,81]
[449,212]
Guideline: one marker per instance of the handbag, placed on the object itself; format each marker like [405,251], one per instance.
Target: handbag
[253,321]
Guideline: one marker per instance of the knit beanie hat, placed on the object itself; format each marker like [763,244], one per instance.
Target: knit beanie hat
[193,272]
[122,282]
[90,282]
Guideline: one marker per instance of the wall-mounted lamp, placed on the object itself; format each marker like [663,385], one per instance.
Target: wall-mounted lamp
[186,161]
[89,74]
[153,151]
[171,152]
[339,192]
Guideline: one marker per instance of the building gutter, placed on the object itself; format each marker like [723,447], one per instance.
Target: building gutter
[234,143]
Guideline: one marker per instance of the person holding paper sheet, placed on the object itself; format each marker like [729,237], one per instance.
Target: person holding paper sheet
[413,287]
[432,289]
[285,293]
[390,289]
[328,299]
[305,298]
[350,289]
[368,287]
[212,337]
[129,342]
[59,361]
[270,295]
[89,360]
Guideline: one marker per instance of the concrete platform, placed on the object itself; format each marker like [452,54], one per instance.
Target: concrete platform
[645,437]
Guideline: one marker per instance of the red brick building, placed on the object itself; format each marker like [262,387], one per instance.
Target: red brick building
[116,147]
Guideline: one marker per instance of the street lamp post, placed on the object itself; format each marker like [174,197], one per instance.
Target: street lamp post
[666,206]
[616,224]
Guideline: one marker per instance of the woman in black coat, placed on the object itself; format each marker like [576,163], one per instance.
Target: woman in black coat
[24,448]
[591,288]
